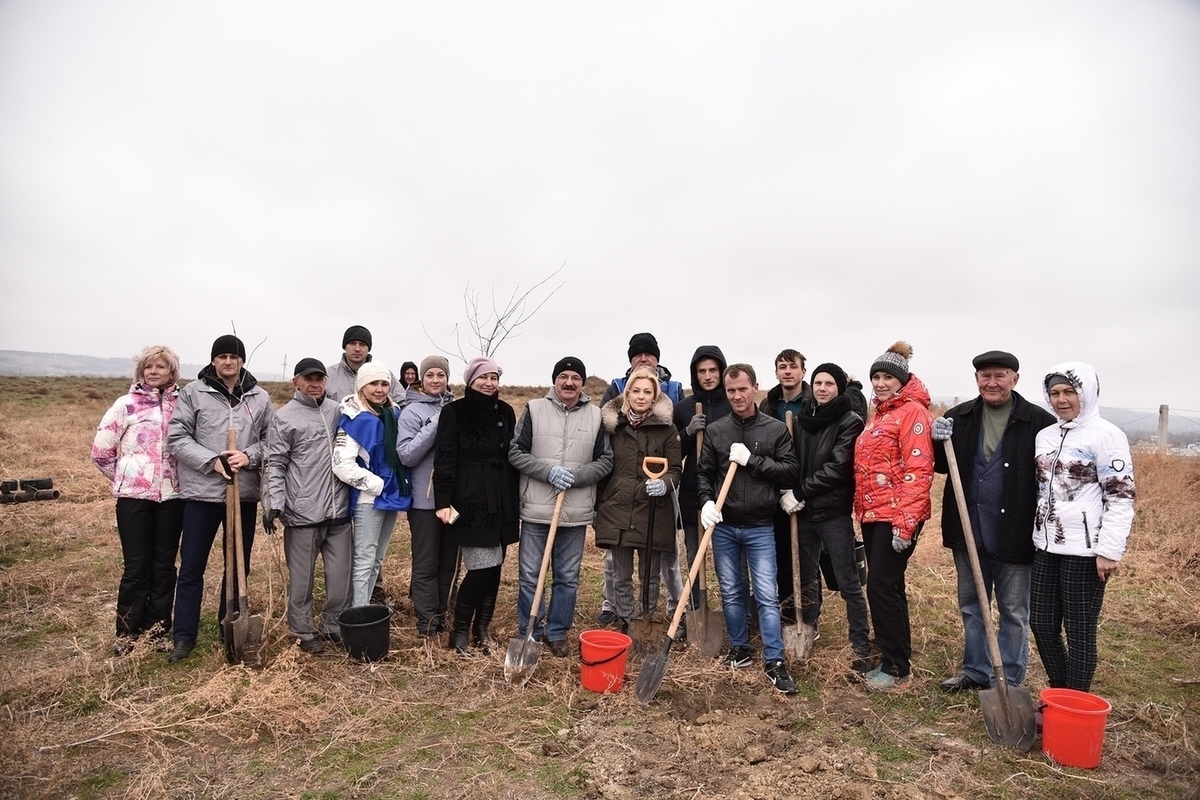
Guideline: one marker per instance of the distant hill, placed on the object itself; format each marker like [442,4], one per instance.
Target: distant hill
[1139,425]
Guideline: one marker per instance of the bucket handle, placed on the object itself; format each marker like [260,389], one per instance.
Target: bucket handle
[613,657]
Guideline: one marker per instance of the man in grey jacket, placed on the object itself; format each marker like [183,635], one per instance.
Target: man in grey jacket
[558,446]
[313,504]
[224,396]
[356,351]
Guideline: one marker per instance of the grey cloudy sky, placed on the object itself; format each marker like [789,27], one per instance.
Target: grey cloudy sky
[826,176]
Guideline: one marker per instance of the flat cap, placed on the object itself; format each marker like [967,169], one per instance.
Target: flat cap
[996,358]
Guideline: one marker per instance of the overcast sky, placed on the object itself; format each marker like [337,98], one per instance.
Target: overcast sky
[825,176]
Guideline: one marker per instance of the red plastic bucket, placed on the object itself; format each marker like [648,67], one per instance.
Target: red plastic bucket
[1073,726]
[602,656]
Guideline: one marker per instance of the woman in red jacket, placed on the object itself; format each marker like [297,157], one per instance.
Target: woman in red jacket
[893,476]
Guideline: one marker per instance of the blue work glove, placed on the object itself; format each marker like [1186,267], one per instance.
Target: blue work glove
[656,487]
[899,543]
[561,478]
[943,427]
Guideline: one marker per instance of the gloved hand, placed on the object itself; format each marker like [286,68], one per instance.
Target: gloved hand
[739,453]
[561,478]
[268,519]
[943,427]
[697,424]
[899,543]
[709,515]
[656,488]
[789,503]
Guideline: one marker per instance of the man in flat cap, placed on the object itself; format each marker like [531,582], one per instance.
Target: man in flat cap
[312,503]
[993,440]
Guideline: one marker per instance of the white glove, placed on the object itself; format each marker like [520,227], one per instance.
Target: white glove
[943,429]
[709,515]
[656,488]
[789,503]
[739,454]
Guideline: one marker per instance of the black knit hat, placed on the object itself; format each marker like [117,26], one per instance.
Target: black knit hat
[569,363]
[228,344]
[356,333]
[834,371]
[643,343]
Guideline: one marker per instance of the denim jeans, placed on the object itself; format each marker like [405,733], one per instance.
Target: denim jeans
[372,532]
[565,562]
[757,546]
[1009,584]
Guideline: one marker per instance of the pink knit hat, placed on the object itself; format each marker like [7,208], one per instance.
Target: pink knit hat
[480,365]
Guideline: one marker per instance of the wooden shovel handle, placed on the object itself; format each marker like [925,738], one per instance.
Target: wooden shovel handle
[700,447]
[702,551]
[535,606]
[650,462]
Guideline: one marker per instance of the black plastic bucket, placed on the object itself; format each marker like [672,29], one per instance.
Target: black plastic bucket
[365,631]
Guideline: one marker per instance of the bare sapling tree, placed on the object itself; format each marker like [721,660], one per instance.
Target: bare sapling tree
[489,327]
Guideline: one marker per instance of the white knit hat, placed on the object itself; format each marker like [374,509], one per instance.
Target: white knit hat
[370,372]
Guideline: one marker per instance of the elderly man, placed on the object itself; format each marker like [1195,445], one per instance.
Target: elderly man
[993,438]
[766,459]
[559,445]
[224,396]
[313,504]
[356,351]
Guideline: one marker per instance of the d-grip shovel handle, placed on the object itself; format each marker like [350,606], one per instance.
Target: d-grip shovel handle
[648,464]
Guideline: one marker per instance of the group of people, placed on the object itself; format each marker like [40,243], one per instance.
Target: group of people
[1050,497]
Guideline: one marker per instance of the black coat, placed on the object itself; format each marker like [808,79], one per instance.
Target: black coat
[1020,476]
[826,459]
[472,473]
[772,466]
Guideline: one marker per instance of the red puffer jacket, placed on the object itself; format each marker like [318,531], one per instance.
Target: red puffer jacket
[893,461]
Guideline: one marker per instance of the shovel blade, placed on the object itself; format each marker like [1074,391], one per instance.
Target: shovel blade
[521,660]
[714,632]
[646,635]
[798,641]
[650,676]
[1009,715]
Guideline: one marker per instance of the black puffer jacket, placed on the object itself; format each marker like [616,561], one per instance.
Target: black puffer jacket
[772,466]
[716,406]
[1020,475]
[471,470]
[825,449]
[623,516]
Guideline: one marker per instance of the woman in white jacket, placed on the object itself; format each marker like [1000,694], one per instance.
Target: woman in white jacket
[1084,513]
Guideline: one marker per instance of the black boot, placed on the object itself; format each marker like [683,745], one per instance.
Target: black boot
[483,618]
[461,631]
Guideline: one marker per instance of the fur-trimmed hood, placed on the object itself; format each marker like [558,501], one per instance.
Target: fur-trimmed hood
[611,416]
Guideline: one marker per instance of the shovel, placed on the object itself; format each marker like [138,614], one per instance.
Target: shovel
[706,627]
[650,676]
[240,629]
[644,630]
[522,656]
[797,637]
[1008,711]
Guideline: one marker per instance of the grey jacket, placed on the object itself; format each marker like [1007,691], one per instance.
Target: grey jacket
[198,433]
[340,383]
[549,434]
[300,480]
[417,431]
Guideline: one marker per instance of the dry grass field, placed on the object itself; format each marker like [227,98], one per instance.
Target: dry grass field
[78,723]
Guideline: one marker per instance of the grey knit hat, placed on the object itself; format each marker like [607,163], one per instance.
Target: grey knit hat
[894,362]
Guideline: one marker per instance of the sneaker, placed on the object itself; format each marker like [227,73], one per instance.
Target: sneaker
[737,658]
[312,646]
[878,681]
[558,648]
[778,675]
[607,619]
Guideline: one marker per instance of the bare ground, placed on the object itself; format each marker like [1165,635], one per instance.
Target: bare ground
[77,722]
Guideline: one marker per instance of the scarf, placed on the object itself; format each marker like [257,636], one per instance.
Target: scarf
[388,417]
[816,417]
[635,419]
[245,383]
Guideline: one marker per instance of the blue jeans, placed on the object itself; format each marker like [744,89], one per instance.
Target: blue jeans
[372,532]
[565,562]
[757,546]
[1009,584]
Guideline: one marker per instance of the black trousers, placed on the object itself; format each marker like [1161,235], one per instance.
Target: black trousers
[434,555]
[887,597]
[149,533]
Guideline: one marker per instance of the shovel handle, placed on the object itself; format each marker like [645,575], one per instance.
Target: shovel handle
[699,448]
[536,606]
[654,467]
[795,527]
[232,512]
[701,552]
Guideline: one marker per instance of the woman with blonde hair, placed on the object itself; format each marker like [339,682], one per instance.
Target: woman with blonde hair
[639,425]
[365,457]
[893,472]
[130,448]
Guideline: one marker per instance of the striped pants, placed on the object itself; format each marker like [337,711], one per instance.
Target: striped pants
[1066,592]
